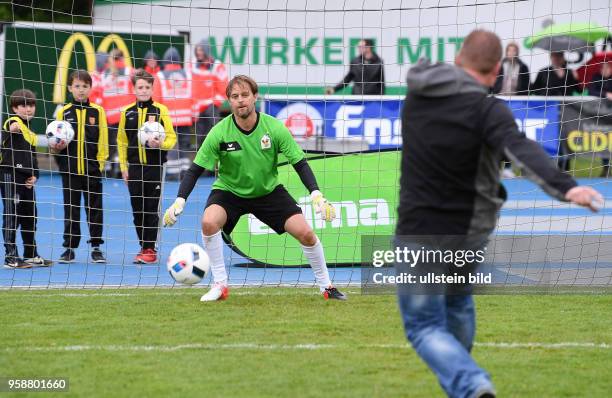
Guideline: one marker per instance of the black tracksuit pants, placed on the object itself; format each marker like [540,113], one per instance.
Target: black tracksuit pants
[145,184]
[19,212]
[90,187]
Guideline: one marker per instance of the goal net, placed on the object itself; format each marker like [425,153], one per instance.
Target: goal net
[302,53]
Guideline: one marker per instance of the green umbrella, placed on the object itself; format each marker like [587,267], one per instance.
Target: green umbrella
[567,36]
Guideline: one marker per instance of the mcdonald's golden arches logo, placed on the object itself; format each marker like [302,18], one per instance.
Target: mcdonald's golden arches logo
[63,63]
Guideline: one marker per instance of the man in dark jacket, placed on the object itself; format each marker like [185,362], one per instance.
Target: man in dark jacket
[366,71]
[455,136]
[601,86]
[513,78]
[556,79]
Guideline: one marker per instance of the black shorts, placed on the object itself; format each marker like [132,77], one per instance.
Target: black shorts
[273,209]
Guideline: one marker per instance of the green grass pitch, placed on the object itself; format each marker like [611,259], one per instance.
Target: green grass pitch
[289,342]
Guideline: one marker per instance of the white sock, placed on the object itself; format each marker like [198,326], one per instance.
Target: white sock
[316,259]
[214,248]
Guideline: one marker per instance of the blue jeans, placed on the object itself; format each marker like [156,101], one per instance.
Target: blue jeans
[441,329]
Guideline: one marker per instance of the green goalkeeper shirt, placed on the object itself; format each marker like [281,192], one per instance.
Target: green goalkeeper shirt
[248,159]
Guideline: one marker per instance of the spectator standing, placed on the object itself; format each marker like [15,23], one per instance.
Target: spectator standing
[209,83]
[601,86]
[151,63]
[117,93]
[81,163]
[555,79]
[173,88]
[18,175]
[366,71]
[142,165]
[513,78]
[96,94]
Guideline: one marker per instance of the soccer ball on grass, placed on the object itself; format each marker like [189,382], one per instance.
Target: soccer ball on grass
[188,263]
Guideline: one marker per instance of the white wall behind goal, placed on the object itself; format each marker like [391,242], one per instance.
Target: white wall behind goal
[310,42]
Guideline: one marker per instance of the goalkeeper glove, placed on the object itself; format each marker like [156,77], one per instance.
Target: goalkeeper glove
[322,206]
[173,212]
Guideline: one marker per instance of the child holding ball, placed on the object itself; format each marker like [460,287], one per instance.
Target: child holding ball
[81,162]
[18,175]
[142,164]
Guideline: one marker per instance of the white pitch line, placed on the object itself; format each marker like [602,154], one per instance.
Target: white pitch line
[184,292]
[287,347]
[538,204]
[568,344]
[545,224]
[83,295]
[176,287]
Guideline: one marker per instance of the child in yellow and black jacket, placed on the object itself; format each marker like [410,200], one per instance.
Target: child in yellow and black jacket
[18,175]
[81,163]
[142,165]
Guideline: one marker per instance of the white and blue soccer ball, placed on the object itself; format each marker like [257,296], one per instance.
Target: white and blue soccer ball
[58,131]
[151,130]
[188,263]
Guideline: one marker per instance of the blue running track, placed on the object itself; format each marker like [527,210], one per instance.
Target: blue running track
[529,211]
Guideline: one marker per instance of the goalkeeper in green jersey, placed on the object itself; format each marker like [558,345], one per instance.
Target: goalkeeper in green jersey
[246,145]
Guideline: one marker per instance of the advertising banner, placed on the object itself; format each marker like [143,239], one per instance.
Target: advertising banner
[39,57]
[362,187]
[303,46]
[586,128]
[539,120]
[377,121]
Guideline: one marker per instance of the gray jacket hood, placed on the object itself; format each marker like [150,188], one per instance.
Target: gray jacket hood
[172,56]
[441,80]
[101,60]
[204,45]
[151,55]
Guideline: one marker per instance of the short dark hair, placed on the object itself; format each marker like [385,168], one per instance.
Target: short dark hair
[513,44]
[557,54]
[81,75]
[22,97]
[481,51]
[142,74]
[241,80]
[368,42]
